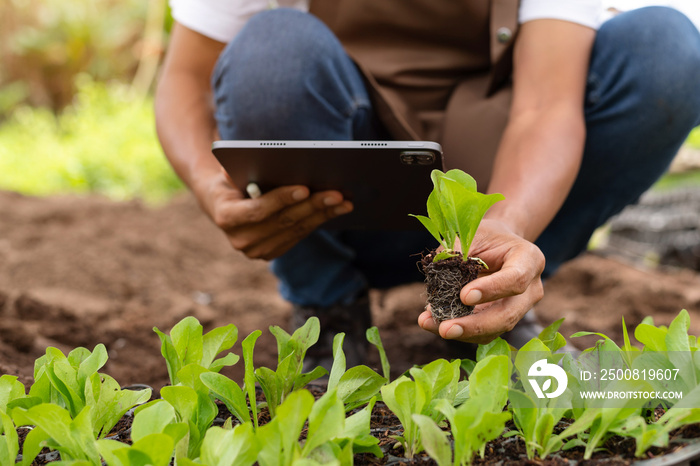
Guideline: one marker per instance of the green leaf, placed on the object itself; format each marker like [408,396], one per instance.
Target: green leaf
[187,339]
[9,442]
[455,208]
[152,420]
[10,390]
[230,393]
[358,385]
[373,337]
[445,254]
[339,365]
[495,348]
[435,441]
[216,341]
[247,348]
[430,226]
[236,447]
[326,421]
[170,355]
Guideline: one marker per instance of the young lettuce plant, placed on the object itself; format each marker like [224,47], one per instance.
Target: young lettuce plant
[54,428]
[331,437]
[438,380]
[291,349]
[187,345]
[455,210]
[536,417]
[356,386]
[154,433]
[73,382]
[475,422]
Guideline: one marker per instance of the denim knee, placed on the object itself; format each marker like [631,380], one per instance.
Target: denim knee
[657,53]
[282,65]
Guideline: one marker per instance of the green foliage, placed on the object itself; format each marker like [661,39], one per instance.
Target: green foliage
[236,446]
[11,390]
[455,209]
[56,429]
[477,421]
[291,349]
[9,441]
[154,432]
[373,337]
[73,382]
[356,386]
[71,404]
[104,143]
[331,437]
[186,345]
[535,417]
[436,381]
[47,43]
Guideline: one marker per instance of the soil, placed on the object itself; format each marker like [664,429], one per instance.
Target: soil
[77,271]
[444,281]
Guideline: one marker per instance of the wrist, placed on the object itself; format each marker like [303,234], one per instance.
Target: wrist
[515,221]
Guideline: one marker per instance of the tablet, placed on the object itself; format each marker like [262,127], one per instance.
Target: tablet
[385,180]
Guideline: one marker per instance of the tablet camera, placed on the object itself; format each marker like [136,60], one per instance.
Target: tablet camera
[417,157]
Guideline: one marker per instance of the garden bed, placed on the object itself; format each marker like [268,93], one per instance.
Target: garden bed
[79,271]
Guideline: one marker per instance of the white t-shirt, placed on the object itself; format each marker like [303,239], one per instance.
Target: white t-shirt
[222,19]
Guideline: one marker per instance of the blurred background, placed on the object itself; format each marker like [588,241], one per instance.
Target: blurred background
[76,80]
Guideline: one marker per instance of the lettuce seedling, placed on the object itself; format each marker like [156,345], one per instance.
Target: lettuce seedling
[455,210]
[474,423]
[154,433]
[9,441]
[63,380]
[535,417]
[355,386]
[194,406]
[331,437]
[236,446]
[187,345]
[656,434]
[291,349]
[73,382]
[436,381]
[54,428]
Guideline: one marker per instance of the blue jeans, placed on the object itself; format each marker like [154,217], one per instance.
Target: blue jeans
[285,76]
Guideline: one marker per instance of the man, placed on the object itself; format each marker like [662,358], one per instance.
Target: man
[590,120]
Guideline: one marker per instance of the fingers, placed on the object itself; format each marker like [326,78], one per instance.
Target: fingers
[236,214]
[486,323]
[522,268]
[268,226]
[284,239]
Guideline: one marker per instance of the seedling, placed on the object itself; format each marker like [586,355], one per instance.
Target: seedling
[455,210]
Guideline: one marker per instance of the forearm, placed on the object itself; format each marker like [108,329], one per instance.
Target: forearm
[536,165]
[186,128]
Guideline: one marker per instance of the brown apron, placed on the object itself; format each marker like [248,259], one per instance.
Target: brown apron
[438,69]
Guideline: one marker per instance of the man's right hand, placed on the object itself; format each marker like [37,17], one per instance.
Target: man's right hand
[268,226]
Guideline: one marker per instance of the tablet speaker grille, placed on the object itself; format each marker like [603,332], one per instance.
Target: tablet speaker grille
[273,143]
[373,144]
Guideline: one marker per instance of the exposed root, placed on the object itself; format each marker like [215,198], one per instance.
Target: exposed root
[444,280]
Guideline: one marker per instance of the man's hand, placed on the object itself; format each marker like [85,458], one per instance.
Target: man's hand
[268,226]
[503,294]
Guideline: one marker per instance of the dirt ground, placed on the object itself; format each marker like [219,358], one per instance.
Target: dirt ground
[77,271]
